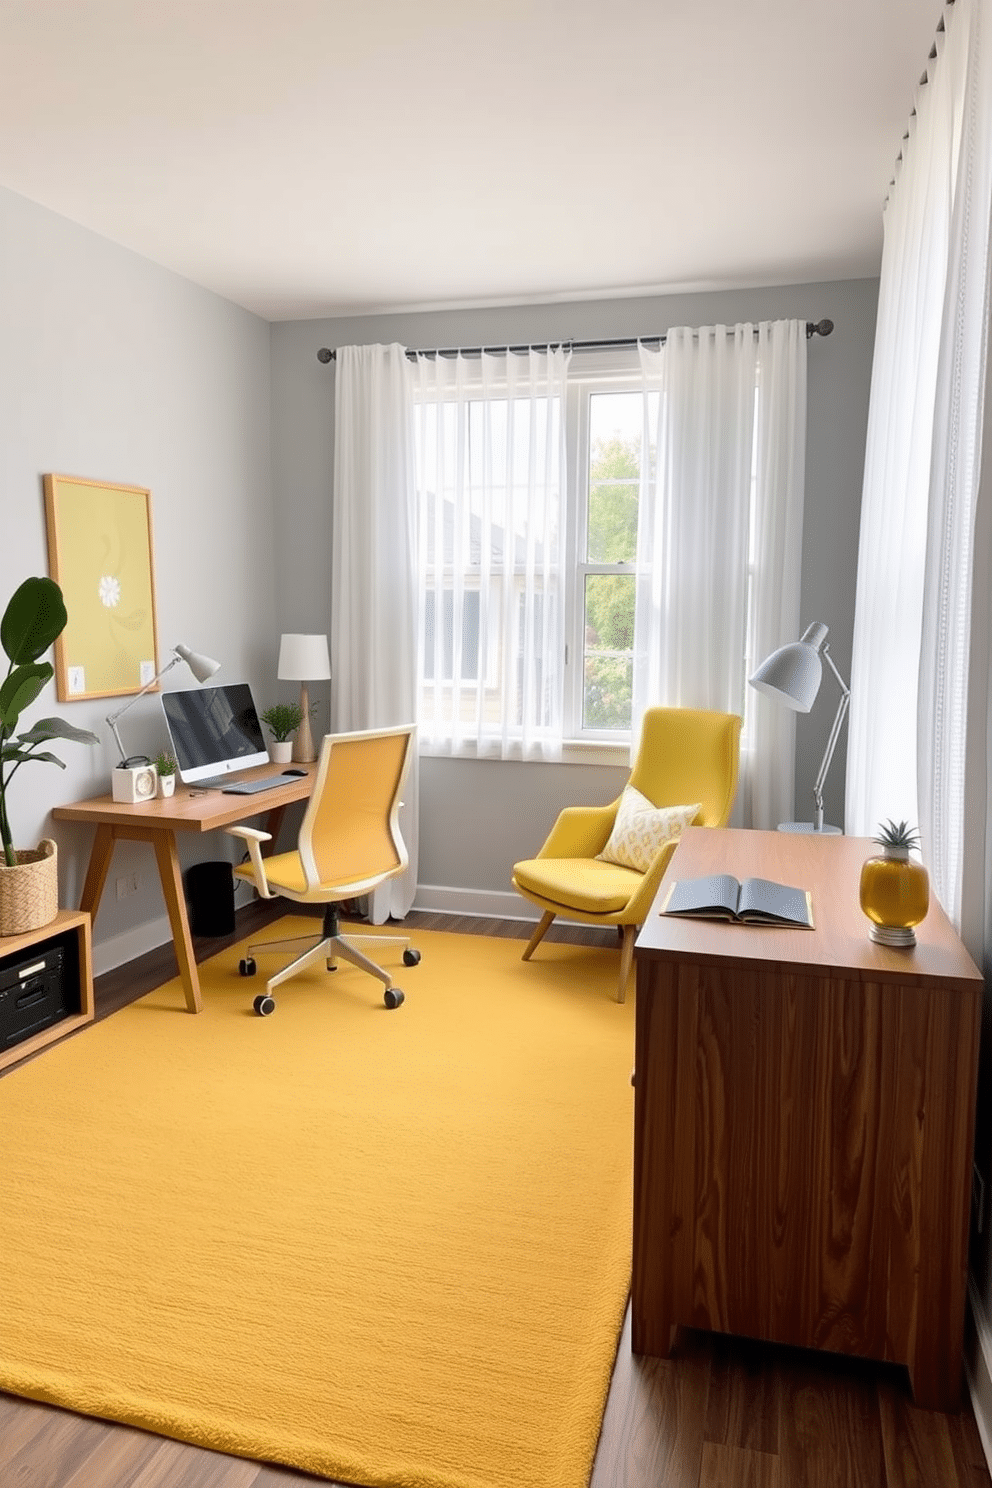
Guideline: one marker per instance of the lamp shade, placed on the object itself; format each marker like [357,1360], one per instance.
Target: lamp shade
[201,666]
[792,674]
[303,658]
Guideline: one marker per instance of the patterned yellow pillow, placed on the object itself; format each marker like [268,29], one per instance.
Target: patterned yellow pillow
[641,829]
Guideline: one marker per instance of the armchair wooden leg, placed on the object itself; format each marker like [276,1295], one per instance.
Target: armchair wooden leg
[626,959]
[538,935]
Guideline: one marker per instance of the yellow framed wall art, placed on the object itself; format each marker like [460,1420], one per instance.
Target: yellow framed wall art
[100,555]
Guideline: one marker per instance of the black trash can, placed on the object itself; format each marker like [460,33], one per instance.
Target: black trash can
[210,895]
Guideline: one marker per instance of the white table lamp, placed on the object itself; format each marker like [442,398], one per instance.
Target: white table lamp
[303,659]
[791,675]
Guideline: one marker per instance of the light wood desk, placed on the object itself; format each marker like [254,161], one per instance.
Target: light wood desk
[158,822]
[804,1112]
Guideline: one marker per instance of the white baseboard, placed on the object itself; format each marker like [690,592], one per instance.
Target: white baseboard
[148,936]
[130,944]
[978,1369]
[493,904]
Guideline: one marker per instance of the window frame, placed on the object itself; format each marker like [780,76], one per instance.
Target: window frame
[609,370]
[589,373]
[508,569]
[485,665]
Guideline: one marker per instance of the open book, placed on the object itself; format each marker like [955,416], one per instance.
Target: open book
[756,901]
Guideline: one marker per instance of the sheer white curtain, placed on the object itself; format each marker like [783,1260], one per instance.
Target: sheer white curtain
[374,568]
[491,486]
[720,535]
[768,755]
[911,663]
[954,560]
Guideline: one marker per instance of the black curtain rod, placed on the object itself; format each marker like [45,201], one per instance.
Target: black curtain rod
[328,354]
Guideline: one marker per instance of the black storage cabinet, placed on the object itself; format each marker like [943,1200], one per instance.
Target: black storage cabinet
[210,896]
[37,988]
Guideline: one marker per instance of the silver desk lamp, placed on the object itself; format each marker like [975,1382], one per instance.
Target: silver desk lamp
[201,666]
[791,675]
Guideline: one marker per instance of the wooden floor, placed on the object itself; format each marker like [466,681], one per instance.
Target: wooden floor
[720,1413]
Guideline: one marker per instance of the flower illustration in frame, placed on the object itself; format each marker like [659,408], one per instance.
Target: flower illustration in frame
[100,554]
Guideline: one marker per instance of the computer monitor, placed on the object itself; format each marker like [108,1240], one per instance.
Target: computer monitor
[214,730]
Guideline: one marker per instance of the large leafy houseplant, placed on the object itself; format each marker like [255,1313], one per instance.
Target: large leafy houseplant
[34,618]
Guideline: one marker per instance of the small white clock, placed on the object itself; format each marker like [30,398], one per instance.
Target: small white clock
[133,784]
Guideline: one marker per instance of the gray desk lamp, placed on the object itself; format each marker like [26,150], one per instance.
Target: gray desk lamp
[791,675]
[201,666]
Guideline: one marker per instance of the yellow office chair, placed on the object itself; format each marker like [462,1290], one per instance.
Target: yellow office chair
[602,864]
[349,843]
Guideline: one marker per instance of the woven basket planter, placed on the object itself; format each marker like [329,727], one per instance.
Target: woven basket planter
[29,892]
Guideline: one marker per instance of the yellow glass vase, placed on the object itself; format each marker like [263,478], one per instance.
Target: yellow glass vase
[895,895]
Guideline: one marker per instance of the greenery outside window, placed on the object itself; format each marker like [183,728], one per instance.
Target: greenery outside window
[609,429]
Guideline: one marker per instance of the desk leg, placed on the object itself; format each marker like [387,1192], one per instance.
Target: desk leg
[170,874]
[272,824]
[96,874]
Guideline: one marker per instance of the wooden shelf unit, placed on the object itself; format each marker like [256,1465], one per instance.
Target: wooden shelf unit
[67,923]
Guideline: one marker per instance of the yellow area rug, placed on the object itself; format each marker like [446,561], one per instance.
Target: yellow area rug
[386,1247]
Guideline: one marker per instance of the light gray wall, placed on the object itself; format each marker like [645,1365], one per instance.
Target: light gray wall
[478,817]
[114,369]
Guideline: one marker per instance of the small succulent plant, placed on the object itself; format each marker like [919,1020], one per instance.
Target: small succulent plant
[282,719]
[898,834]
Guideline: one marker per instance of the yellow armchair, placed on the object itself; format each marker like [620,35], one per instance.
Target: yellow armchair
[685,756]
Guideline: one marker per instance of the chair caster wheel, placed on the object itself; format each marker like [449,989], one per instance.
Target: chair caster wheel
[411,957]
[247,966]
[264,1004]
[392,997]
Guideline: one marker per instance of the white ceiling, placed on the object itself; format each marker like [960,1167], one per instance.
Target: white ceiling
[329,157]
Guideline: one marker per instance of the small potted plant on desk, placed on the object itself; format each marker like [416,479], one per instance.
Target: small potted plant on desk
[282,720]
[32,621]
[166,766]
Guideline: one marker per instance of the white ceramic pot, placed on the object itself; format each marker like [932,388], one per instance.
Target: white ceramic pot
[166,786]
[282,753]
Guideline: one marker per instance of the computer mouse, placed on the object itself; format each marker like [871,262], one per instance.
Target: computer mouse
[294,772]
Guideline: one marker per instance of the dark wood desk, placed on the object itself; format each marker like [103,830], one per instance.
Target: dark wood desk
[158,822]
[804,1116]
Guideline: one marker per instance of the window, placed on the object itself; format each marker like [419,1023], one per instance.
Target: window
[530,566]
[439,649]
[609,430]
[530,518]
[489,460]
